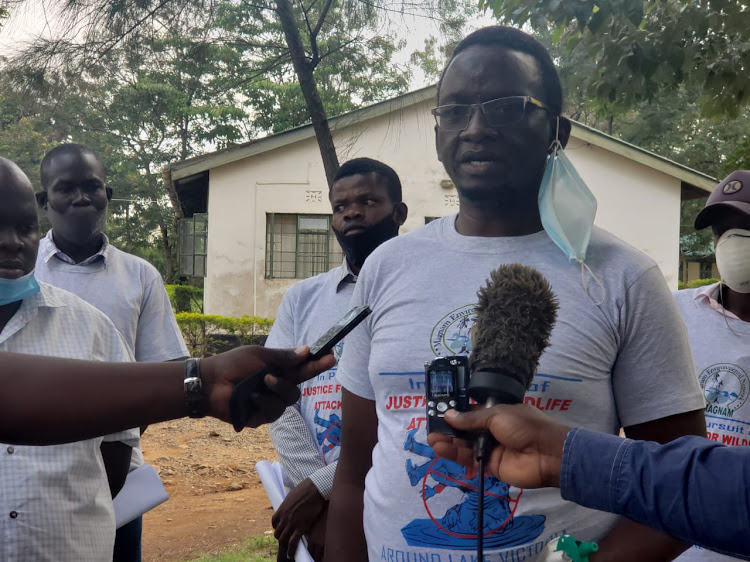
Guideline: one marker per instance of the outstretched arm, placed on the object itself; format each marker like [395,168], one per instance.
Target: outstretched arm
[48,400]
[689,488]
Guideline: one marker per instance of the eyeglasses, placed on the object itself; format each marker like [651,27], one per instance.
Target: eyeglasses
[498,113]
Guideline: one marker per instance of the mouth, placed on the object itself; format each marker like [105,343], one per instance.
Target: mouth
[479,161]
[353,230]
[11,269]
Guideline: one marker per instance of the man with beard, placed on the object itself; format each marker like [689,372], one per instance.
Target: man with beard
[57,500]
[77,256]
[618,354]
[367,210]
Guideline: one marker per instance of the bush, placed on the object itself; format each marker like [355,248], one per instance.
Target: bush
[695,283]
[185,298]
[207,334]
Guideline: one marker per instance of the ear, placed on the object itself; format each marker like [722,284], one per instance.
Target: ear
[400,211]
[564,130]
[41,199]
[109,193]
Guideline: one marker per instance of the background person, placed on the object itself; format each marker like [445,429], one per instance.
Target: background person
[718,322]
[76,255]
[367,210]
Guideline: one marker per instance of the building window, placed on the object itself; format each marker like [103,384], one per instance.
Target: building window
[705,270]
[193,243]
[300,246]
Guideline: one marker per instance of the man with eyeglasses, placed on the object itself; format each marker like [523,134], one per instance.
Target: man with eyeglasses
[614,357]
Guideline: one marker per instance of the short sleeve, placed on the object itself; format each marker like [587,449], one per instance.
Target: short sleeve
[353,369]
[130,437]
[653,376]
[282,331]
[158,337]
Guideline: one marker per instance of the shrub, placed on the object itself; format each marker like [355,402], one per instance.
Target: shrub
[695,283]
[185,298]
[207,334]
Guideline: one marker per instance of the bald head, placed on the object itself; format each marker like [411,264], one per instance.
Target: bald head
[11,176]
[19,223]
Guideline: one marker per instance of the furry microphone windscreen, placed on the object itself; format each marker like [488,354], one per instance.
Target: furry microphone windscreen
[515,316]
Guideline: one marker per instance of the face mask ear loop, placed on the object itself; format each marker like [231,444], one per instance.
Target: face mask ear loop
[556,144]
[720,300]
[584,268]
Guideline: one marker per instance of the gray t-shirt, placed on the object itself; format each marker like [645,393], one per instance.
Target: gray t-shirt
[721,352]
[621,363]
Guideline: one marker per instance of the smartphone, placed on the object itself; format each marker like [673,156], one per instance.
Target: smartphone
[239,401]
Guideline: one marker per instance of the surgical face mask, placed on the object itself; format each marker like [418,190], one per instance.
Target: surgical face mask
[567,209]
[13,290]
[566,206]
[733,259]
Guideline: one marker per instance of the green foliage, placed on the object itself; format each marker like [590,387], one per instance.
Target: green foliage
[641,47]
[185,298]
[257,549]
[200,330]
[695,283]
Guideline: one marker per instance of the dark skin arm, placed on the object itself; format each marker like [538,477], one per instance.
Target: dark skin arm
[116,456]
[628,540]
[62,400]
[346,541]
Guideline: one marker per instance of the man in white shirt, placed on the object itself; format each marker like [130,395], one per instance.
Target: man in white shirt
[367,210]
[57,498]
[77,256]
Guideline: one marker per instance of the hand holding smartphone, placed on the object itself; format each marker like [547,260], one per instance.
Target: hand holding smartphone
[240,403]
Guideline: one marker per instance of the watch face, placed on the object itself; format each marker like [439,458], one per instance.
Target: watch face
[193,386]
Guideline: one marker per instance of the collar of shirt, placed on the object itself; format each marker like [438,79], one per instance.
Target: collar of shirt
[48,248]
[28,309]
[345,276]
[709,294]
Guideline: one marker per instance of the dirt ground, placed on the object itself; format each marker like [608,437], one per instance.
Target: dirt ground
[215,496]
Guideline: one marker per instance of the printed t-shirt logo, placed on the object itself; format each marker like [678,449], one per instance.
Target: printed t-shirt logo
[450,336]
[725,386]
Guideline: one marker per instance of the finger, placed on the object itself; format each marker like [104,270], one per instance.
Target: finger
[283,537]
[287,391]
[455,451]
[473,420]
[293,542]
[266,407]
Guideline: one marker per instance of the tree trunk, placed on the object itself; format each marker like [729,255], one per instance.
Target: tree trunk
[304,70]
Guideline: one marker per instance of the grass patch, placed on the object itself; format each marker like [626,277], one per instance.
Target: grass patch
[256,549]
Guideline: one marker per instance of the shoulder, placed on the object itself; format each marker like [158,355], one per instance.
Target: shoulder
[612,256]
[404,248]
[312,285]
[133,264]
[73,305]
[685,298]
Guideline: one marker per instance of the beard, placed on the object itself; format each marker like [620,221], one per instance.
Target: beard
[358,247]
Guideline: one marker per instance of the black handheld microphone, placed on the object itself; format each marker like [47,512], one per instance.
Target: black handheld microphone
[515,316]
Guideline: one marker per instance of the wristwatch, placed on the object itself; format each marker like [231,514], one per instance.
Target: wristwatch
[194,389]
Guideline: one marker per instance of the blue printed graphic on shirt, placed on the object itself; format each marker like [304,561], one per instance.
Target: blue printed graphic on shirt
[329,438]
[457,526]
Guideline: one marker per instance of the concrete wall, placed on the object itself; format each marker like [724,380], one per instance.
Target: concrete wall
[635,202]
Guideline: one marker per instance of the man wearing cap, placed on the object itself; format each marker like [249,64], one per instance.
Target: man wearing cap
[718,323]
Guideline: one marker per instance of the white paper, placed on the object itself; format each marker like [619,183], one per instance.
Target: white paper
[142,492]
[273,481]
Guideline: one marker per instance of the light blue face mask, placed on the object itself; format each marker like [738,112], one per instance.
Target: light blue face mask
[13,290]
[567,209]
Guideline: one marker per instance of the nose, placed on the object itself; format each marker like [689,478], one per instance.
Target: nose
[477,127]
[353,212]
[9,240]
[81,198]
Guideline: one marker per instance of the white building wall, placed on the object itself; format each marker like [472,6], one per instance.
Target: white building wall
[635,202]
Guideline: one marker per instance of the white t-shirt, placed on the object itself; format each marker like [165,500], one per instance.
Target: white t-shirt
[613,365]
[721,352]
